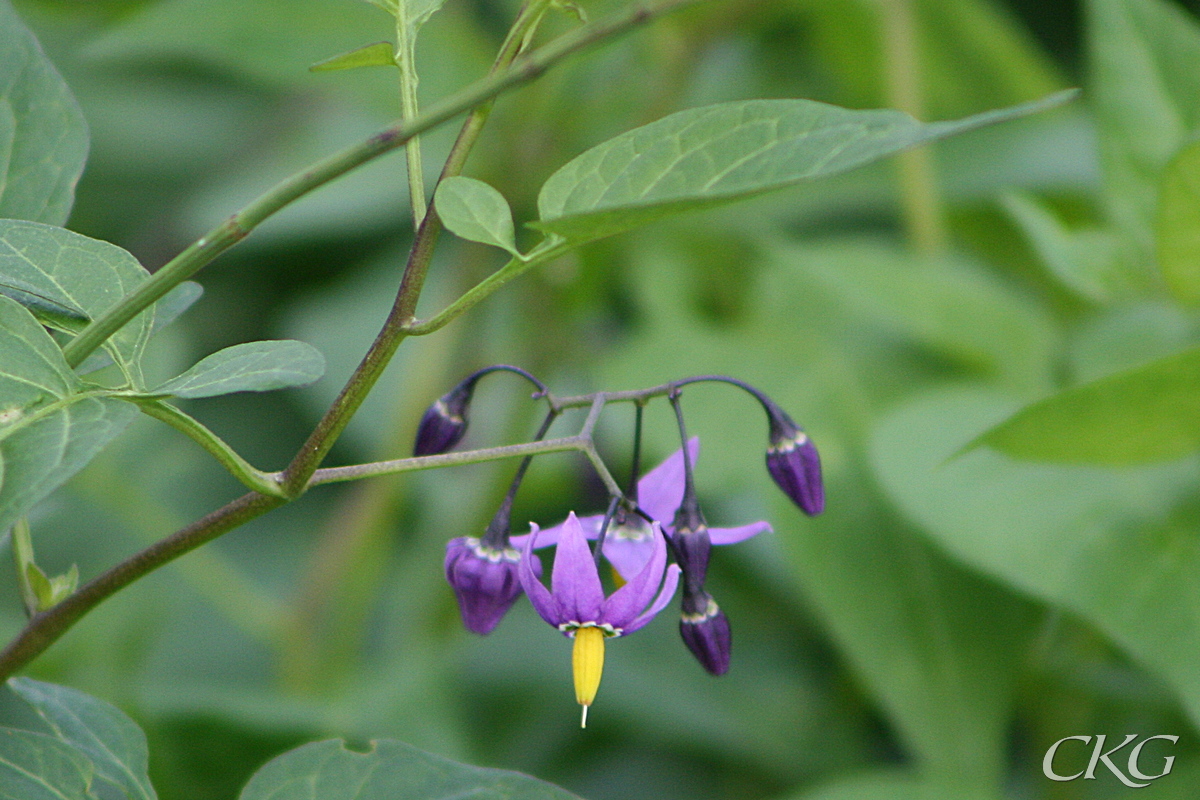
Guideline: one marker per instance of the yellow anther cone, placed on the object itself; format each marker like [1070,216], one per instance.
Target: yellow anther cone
[587,660]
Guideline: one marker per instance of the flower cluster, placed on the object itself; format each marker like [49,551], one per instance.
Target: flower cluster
[659,513]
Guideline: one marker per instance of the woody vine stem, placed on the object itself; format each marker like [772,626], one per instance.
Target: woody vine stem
[511,68]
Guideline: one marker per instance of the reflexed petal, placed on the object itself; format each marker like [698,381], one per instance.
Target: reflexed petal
[738,534]
[660,491]
[543,602]
[549,536]
[628,601]
[664,597]
[575,583]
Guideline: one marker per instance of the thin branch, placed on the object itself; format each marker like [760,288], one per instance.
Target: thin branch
[237,227]
[45,628]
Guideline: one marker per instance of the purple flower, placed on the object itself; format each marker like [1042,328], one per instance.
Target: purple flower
[445,422]
[629,542]
[794,463]
[485,581]
[576,605]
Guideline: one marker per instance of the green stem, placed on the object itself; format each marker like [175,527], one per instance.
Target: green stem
[46,627]
[208,247]
[252,478]
[472,297]
[22,547]
[920,199]
[405,50]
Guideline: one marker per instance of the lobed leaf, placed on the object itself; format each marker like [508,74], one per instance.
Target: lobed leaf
[1149,413]
[34,766]
[249,367]
[43,136]
[475,211]
[716,154]
[33,370]
[112,741]
[390,771]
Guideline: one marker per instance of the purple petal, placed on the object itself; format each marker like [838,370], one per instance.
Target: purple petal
[660,491]
[738,534]
[485,587]
[664,597]
[550,536]
[625,603]
[543,602]
[708,637]
[575,583]
[628,556]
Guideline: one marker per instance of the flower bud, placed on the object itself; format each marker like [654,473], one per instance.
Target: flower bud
[794,464]
[484,580]
[444,422]
[705,630]
[692,548]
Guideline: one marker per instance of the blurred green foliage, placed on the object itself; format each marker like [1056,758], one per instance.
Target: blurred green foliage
[945,621]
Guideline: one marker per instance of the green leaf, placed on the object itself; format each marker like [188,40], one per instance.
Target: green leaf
[720,153]
[85,276]
[33,369]
[1145,60]
[1179,225]
[1111,545]
[1085,262]
[167,310]
[890,785]
[1149,413]
[390,771]
[43,137]
[372,55]
[249,367]
[113,742]
[44,448]
[34,766]
[475,211]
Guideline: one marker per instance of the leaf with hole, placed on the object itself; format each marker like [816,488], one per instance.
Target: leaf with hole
[43,137]
[717,154]
[249,367]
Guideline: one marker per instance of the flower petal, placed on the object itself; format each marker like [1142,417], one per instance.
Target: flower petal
[660,491]
[575,583]
[628,601]
[738,534]
[550,536]
[664,597]
[628,556]
[543,602]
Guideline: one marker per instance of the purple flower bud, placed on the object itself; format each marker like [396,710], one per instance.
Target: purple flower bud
[705,630]
[444,422]
[485,581]
[794,464]
[692,548]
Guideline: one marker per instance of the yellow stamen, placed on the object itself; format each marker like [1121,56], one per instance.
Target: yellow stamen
[587,659]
